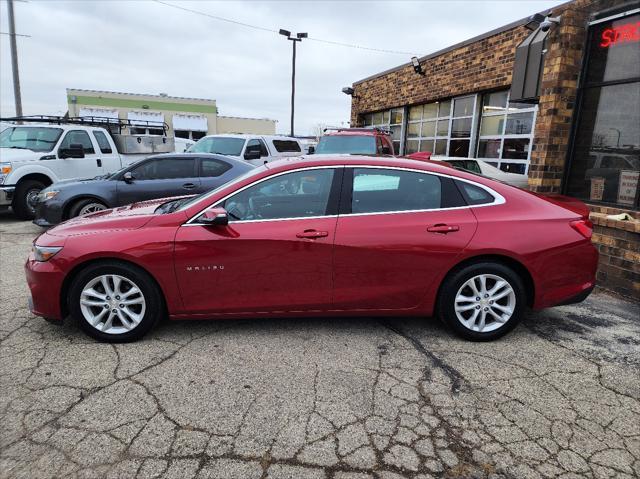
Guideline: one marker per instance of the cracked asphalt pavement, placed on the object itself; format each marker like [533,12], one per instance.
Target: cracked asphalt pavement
[317,398]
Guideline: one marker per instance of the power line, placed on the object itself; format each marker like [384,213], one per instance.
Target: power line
[271,30]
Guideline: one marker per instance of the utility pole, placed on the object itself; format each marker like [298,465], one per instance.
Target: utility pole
[294,40]
[14,59]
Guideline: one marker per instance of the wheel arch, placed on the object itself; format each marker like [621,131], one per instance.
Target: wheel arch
[72,201]
[519,268]
[68,280]
[41,177]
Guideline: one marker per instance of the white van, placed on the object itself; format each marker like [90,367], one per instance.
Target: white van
[254,149]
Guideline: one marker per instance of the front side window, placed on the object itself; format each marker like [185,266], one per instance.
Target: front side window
[377,190]
[165,168]
[299,194]
[605,160]
[257,145]
[27,138]
[78,137]
[218,144]
[103,142]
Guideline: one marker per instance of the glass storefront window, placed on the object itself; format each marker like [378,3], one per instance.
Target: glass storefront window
[605,157]
[506,132]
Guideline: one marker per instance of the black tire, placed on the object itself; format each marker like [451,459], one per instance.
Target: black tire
[24,191]
[78,205]
[154,302]
[457,278]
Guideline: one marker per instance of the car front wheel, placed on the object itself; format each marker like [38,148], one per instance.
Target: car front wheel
[115,302]
[482,301]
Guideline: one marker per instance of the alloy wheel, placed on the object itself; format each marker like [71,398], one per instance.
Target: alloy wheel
[112,304]
[91,208]
[485,303]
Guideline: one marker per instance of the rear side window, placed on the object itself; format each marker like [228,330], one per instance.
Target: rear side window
[286,146]
[212,168]
[78,137]
[103,143]
[474,195]
[165,169]
[379,190]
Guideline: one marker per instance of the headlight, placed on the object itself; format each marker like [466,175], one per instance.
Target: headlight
[5,169]
[45,253]
[47,195]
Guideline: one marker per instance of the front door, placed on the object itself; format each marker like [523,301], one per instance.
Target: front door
[68,168]
[274,256]
[159,177]
[397,238]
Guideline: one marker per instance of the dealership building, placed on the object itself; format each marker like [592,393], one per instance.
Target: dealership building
[190,118]
[555,97]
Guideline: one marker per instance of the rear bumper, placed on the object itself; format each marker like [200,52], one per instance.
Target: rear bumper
[578,298]
[6,195]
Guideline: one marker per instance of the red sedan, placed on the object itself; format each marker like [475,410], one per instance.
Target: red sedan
[348,236]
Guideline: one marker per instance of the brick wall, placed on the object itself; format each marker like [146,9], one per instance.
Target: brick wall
[480,66]
[619,245]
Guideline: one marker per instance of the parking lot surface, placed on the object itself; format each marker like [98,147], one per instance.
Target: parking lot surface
[317,398]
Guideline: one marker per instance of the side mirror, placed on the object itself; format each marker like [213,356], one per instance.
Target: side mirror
[75,150]
[311,150]
[128,177]
[385,150]
[214,217]
[252,155]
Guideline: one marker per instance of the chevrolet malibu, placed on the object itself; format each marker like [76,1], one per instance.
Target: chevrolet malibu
[342,236]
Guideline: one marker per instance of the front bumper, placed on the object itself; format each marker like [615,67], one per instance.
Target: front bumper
[45,283]
[48,213]
[6,195]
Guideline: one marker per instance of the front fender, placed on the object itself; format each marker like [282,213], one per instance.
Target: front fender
[23,170]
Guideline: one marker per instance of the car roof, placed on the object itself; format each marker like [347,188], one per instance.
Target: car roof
[247,136]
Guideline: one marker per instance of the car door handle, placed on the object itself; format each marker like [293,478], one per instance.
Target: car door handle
[442,228]
[189,186]
[99,162]
[312,234]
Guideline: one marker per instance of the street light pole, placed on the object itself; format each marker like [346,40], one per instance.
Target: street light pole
[294,40]
[14,59]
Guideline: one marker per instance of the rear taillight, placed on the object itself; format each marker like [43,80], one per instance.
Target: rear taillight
[584,227]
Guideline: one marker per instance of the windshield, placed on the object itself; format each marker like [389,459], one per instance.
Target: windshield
[251,172]
[30,138]
[218,144]
[355,145]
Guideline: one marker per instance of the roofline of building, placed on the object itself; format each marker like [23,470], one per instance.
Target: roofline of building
[247,118]
[138,94]
[463,43]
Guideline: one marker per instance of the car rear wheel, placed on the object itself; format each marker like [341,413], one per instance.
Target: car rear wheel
[482,301]
[26,198]
[115,302]
[85,207]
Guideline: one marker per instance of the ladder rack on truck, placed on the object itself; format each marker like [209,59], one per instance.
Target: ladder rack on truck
[119,129]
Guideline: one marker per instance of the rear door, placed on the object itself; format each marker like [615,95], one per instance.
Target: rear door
[160,177]
[108,156]
[397,232]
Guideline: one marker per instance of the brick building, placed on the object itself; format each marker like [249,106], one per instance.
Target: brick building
[559,104]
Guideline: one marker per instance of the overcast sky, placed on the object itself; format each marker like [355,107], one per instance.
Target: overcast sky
[146,47]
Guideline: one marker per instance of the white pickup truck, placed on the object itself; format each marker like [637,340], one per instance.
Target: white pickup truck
[34,155]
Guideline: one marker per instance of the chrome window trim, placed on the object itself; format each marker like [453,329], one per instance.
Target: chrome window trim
[498,198]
